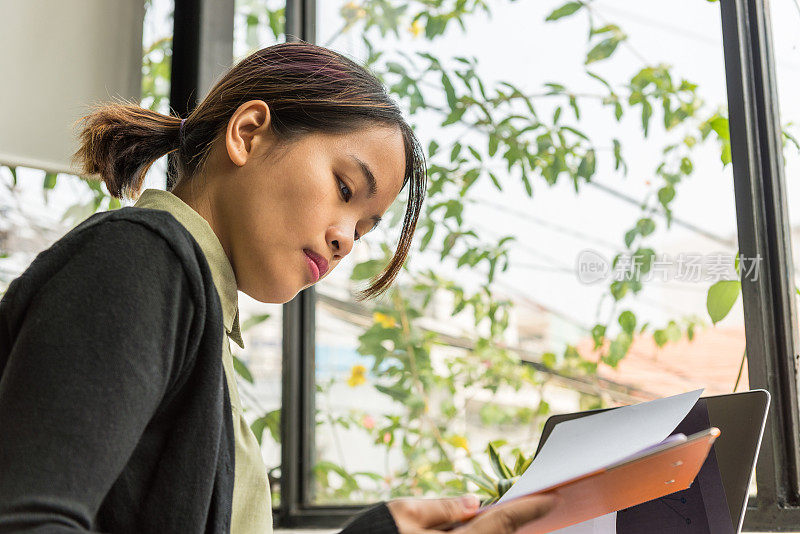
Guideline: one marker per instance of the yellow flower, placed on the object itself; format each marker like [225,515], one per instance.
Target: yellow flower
[459,442]
[415,28]
[384,320]
[351,12]
[357,376]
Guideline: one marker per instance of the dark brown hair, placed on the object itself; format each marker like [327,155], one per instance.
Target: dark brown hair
[308,89]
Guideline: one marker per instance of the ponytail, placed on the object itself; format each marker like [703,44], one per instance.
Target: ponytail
[119,142]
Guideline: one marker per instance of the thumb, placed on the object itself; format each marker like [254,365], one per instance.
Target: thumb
[507,518]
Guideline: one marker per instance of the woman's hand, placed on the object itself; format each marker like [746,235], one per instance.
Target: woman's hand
[418,516]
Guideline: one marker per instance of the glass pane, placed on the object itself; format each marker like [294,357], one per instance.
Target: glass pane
[579,237]
[785,16]
[38,208]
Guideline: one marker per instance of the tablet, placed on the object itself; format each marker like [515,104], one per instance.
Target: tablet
[649,474]
[740,418]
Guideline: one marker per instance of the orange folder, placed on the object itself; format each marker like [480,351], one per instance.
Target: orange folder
[654,474]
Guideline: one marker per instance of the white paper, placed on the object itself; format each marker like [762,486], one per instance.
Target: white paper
[589,443]
[605,524]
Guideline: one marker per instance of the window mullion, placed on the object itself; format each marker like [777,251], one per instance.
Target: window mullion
[763,233]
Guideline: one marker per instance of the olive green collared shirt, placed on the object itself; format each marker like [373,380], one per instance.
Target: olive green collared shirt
[251,500]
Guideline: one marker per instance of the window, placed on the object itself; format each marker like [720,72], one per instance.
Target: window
[588,198]
[659,339]
[346,445]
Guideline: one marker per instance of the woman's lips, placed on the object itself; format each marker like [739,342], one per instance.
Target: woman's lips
[316,264]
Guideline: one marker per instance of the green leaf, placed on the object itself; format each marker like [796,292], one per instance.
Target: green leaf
[523,463]
[573,103]
[619,289]
[721,298]
[49,180]
[686,166]
[666,194]
[627,320]
[276,18]
[618,157]
[608,28]
[427,237]
[630,235]
[455,151]
[603,49]
[475,153]
[270,420]
[564,11]
[494,140]
[673,332]
[454,116]
[576,132]
[645,226]
[366,269]
[449,91]
[527,183]
[660,337]
[618,349]
[395,67]
[504,484]
[499,467]
[555,88]
[647,112]
[587,166]
[483,484]
[643,259]
[241,369]
[250,322]
[395,392]
[601,80]
[495,181]
[598,335]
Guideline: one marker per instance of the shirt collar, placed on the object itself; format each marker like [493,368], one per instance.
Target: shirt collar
[201,231]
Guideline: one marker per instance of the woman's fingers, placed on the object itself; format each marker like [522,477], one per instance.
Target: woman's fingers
[507,518]
[426,513]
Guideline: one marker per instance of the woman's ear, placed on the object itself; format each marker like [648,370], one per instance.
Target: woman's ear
[247,126]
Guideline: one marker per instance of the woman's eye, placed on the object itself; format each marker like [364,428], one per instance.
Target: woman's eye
[346,193]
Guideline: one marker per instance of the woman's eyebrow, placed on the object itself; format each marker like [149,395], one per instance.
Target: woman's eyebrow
[372,183]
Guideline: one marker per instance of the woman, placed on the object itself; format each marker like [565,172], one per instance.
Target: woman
[117,412]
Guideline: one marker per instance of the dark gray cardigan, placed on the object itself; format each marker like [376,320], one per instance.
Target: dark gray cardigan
[114,410]
[112,396]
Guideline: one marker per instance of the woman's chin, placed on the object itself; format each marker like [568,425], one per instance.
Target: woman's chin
[272,295]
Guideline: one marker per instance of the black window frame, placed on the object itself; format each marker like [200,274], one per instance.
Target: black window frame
[763,232]
[763,227]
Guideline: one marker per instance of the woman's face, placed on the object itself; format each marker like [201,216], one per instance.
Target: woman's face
[275,207]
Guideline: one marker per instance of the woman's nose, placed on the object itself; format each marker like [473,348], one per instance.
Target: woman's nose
[340,242]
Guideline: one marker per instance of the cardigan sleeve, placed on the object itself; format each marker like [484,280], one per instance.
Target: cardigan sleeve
[101,344]
[375,520]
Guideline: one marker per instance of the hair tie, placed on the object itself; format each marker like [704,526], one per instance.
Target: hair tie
[181,130]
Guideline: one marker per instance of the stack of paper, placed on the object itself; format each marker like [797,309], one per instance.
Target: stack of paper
[588,444]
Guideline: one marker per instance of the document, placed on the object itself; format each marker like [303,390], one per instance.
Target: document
[587,444]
